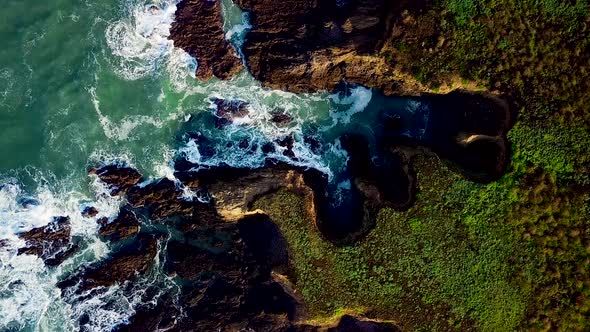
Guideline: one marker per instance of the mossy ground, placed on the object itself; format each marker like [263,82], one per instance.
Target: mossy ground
[510,255]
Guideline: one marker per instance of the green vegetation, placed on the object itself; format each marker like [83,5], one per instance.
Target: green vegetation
[510,255]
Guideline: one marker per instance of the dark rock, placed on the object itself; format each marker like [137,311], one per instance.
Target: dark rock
[244,144]
[89,212]
[163,316]
[268,148]
[135,258]
[123,226]
[352,324]
[469,129]
[198,29]
[52,243]
[162,198]
[306,46]
[227,111]
[287,143]
[225,272]
[281,118]
[313,142]
[264,240]
[118,178]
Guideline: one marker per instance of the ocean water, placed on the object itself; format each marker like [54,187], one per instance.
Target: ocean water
[97,81]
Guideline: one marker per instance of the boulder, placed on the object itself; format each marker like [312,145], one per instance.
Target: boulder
[89,212]
[226,111]
[281,118]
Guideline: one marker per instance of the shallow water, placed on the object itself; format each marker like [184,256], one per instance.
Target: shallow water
[97,81]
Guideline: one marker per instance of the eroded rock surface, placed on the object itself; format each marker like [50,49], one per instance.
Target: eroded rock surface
[52,243]
[198,29]
[299,46]
[125,265]
[122,227]
[118,178]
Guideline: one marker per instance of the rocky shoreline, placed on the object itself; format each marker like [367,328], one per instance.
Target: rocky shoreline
[301,46]
[230,263]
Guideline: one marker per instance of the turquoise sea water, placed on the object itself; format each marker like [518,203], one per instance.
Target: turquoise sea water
[97,81]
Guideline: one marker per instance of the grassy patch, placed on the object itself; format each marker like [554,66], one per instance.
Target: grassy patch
[511,255]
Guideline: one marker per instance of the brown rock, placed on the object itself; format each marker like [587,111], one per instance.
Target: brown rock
[122,227]
[89,212]
[234,191]
[281,118]
[118,178]
[162,198]
[198,29]
[134,259]
[227,111]
[52,243]
[306,46]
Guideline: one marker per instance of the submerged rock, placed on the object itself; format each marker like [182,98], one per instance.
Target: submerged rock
[52,243]
[227,111]
[281,118]
[198,29]
[89,212]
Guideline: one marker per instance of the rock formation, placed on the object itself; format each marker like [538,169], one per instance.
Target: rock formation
[198,29]
[300,46]
[118,178]
[123,226]
[224,261]
[52,243]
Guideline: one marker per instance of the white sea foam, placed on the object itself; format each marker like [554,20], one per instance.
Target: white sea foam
[235,24]
[141,43]
[123,130]
[358,99]
[29,295]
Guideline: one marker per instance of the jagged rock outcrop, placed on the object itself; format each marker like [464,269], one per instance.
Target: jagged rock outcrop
[233,191]
[162,198]
[299,46]
[52,243]
[126,264]
[306,46]
[122,227]
[118,178]
[198,29]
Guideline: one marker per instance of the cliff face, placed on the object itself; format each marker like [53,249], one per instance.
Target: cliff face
[299,46]
[305,46]
[198,29]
